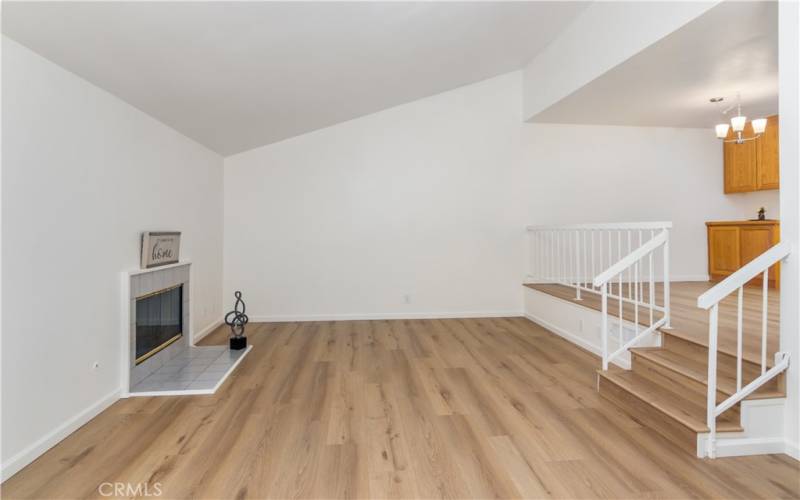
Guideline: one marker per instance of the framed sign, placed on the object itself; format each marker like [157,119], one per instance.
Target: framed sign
[160,248]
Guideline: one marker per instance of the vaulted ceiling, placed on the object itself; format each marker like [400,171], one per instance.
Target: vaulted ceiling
[732,48]
[238,75]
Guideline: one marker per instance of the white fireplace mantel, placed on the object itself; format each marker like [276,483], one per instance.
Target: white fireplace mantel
[134,272]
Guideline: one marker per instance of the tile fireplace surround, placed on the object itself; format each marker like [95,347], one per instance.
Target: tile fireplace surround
[179,368]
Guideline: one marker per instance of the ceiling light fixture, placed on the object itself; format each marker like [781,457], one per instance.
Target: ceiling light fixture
[738,123]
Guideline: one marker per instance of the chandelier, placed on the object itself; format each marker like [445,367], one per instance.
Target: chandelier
[738,123]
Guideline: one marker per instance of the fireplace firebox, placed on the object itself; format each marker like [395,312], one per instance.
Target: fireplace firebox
[159,321]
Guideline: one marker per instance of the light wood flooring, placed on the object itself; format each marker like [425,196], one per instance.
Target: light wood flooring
[691,323]
[472,408]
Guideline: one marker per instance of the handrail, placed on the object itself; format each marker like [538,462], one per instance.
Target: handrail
[710,300]
[626,255]
[631,258]
[604,225]
[743,275]
[629,262]
[782,363]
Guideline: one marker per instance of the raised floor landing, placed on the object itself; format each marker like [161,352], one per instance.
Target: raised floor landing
[690,322]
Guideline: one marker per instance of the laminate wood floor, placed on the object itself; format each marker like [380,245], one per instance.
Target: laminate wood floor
[691,323]
[471,408]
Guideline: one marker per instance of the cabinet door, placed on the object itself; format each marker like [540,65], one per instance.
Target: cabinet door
[723,251]
[755,241]
[769,165]
[741,163]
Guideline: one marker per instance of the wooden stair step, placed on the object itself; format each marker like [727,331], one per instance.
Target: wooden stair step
[724,350]
[695,368]
[682,408]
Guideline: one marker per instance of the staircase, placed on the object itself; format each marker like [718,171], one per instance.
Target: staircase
[666,389]
[700,386]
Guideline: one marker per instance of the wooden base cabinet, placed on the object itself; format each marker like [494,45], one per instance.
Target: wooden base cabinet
[732,244]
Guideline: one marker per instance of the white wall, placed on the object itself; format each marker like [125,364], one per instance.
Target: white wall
[588,173]
[789,50]
[430,199]
[421,200]
[83,174]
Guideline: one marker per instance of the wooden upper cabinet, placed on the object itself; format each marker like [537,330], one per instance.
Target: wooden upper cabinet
[752,165]
[740,165]
[768,177]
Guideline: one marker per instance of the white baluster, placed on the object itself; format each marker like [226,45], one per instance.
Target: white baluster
[604,332]
[562,247]
[585,246]
[601,265]
[652,290]
[739,340]
[610,259]
[620,292]
[542,256]
[641,283]
[552,258]
[577,265]
[636,296]
[591,234]
[711,400]
[764,304]
[666,282]
[570,260]
[630,269]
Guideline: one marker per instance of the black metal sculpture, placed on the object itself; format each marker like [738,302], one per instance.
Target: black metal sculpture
[237,320]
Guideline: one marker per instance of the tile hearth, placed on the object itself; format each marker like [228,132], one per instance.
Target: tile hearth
[196,370]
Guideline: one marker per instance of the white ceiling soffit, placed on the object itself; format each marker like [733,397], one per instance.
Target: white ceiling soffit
[731,48]
[237,75]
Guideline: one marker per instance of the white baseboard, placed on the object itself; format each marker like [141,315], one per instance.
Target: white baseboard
[793,450]
[32,452]
[197,337]
[580,342]
[743,446]
[690,277]
[379,316]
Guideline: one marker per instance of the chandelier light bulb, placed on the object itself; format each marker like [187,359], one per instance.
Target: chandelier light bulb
[759,125]
[738,122]
[722,130]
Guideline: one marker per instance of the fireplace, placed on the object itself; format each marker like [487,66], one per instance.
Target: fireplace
[159,321]
[157,353]
[159,326]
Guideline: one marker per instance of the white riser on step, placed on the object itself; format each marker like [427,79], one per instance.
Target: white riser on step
[580,325]
[762,420]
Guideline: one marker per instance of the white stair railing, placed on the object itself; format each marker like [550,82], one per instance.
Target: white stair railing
[633,262]
[619,261]
[710,301]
